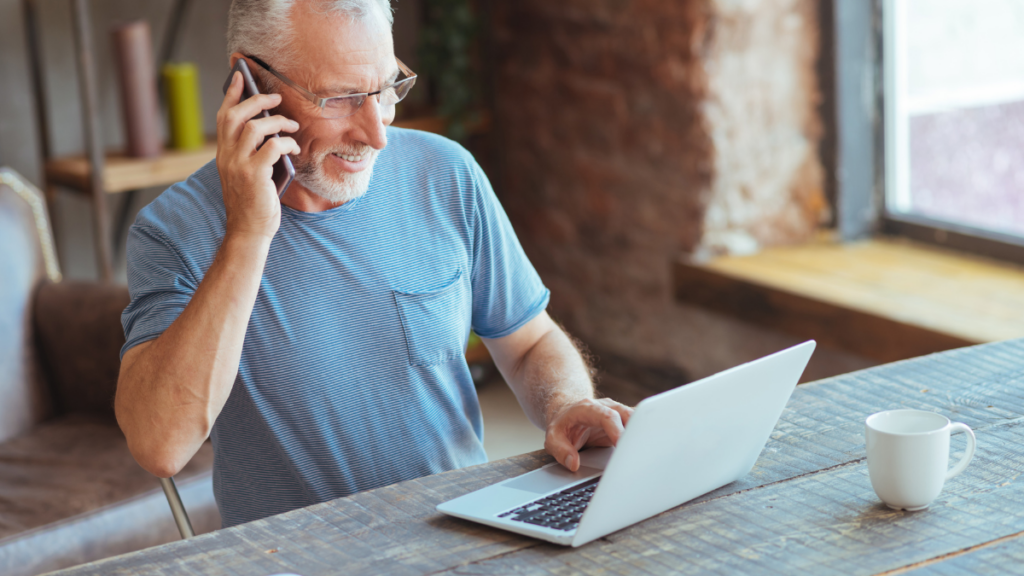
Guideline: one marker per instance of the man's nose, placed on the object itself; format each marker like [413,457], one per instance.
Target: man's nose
[371,123]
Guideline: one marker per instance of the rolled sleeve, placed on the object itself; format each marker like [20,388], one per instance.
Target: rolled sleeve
[160,285]
[507,291]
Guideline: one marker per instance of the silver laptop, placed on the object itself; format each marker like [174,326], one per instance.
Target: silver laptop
[678,445]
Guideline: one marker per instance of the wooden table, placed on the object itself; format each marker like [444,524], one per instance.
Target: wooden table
[807,507]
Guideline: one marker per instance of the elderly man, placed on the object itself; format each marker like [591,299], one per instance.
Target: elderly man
[318,338]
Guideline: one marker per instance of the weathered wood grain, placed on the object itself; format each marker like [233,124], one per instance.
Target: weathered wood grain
[829,522]
[823,424]
[806,508]
[1003,556]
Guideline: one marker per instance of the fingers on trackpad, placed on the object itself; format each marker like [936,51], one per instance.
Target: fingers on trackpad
[550,478]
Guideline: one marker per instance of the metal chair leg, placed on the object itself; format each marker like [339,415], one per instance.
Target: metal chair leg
[177,508]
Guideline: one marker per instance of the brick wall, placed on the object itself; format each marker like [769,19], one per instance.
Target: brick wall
[629,132]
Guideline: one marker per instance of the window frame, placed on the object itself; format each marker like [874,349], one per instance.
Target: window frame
[863,114]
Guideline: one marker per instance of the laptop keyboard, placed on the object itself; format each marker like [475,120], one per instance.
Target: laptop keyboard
[561,511]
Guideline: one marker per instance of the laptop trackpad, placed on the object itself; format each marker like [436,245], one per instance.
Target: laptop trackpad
[551,478]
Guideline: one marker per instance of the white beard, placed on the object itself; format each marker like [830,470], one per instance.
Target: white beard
[335,190]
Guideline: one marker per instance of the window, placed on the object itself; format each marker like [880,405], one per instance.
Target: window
[953,76]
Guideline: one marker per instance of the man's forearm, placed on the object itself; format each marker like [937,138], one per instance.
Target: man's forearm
[551,375]
[552,382]
[171,389]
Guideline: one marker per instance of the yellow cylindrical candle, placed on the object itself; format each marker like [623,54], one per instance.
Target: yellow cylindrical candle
[184,111]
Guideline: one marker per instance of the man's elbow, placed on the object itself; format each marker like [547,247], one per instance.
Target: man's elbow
[161,444]
[157,453]
[161,469]
[159,460]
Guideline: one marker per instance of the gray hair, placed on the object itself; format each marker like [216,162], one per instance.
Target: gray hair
[262,28]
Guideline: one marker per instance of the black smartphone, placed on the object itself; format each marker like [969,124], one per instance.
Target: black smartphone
[284,171]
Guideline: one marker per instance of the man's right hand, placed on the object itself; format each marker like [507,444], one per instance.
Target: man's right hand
[246,162]
[171,389]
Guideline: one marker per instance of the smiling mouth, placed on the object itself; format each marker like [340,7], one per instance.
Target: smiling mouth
[352,157]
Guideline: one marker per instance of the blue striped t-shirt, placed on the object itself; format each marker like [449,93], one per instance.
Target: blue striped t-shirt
[352,374]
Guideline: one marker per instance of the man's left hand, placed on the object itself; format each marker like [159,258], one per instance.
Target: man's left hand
[585,423]
[552,382]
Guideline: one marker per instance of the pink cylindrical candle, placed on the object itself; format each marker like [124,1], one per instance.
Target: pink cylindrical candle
[137,74]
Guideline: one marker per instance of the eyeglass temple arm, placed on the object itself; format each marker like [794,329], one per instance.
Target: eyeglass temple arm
[309,95]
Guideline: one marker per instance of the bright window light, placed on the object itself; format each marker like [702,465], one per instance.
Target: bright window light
[954,112]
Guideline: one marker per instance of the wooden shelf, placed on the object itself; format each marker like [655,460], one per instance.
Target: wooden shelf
[122,173]
[884,299]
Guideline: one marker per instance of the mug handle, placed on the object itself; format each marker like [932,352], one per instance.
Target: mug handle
[971,443]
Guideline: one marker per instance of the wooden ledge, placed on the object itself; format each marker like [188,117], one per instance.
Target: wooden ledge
[122,173]
[884,299]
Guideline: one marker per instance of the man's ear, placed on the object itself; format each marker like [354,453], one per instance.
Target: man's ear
[254,69]
[234,58]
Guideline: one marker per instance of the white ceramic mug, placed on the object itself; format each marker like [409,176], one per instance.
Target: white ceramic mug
[908,456]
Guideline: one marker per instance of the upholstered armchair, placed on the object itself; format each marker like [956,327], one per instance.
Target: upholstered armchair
[70,491]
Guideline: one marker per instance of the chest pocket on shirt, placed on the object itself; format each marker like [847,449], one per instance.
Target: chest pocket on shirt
[436,323]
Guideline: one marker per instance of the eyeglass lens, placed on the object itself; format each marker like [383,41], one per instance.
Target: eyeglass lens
[343,106]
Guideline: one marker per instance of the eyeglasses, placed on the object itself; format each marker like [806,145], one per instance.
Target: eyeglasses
[347,105]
